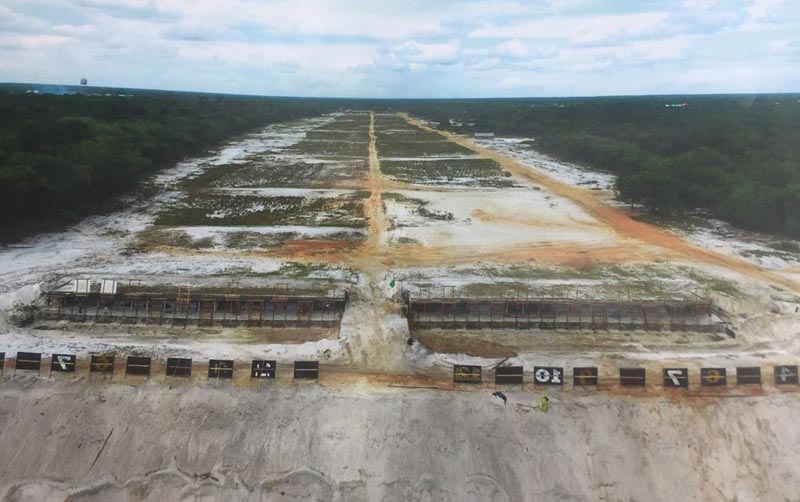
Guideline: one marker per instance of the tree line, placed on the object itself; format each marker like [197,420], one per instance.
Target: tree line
[63,157]
[736,157]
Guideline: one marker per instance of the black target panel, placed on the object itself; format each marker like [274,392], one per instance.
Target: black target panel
[28,361]
[463,373]
[2,361]
[63,363]
[585,376]
[748,375]
[632,377]
[136,365]
[508,375]
[786,375]
[713,377]
[548,375]
[263,369]
[676,377]
[178,366]
[220,368]
[102,363]
[308,370]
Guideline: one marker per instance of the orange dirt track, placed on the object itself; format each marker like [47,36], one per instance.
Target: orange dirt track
[618,220]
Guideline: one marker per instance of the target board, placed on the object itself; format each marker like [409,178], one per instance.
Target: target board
[786,375]
[263,369]
[548,375]
[28,361]
[102,363]
[748,375]
[306,370]
[676,377]
[63,363]
[220,368]
[2,361]
[713,377]
[508,375]
[585,376]
[136,365]
[463,373]
[178,366]
[632,377]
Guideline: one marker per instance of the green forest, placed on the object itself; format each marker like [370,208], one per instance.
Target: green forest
[735,157]
[67,156]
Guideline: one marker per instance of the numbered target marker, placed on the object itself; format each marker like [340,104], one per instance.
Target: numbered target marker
[178,366]
[632,377]
[713,377]
[263,369]
[676,377]
[508,375]
[306,370]
[102,363]
[28,361]
[584,376]
[63,363]
[137,366]
[548,375]
[786,375]
[748,375]
[220,368]
[466,374]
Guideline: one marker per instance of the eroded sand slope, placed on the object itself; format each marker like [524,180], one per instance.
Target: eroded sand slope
[83,441]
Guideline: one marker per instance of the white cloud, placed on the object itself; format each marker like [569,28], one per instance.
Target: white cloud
[13,21]
[761,9]
[513,47]
[578,30]
[311,57]
[410,48]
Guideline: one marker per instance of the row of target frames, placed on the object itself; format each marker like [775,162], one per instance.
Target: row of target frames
[628,377]
[469,374]
[143,366]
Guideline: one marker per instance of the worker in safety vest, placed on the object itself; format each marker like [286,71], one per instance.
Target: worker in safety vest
[544,405]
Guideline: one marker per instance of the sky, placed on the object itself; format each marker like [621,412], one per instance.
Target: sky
[406,48]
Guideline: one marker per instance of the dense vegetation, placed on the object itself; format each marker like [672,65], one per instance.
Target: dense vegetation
[736,156]
[66,156]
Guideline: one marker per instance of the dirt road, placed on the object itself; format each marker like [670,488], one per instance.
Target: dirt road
[373,206]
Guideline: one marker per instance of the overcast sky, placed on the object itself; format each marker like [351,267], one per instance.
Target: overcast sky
[406,48]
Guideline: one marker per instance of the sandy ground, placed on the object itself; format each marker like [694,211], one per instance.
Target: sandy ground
[81,441]
[619,220]
[356,437]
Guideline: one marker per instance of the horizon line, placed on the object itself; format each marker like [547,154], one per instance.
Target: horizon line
[594,96]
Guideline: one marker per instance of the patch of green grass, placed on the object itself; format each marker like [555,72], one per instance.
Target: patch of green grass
[278,172]
[434,215]
[216,209]
[157,237]
[786,246]
[407,241]
[468,172]
[713,283]
[675,220]
[256,240]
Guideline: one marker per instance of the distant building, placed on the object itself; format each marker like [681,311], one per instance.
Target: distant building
[84,81]
[484,135]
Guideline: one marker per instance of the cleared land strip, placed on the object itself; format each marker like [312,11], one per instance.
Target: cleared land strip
[618,220]
[373,207]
